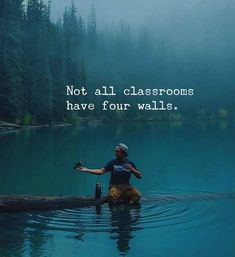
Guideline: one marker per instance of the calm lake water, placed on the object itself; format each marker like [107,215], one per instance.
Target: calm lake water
[188,190]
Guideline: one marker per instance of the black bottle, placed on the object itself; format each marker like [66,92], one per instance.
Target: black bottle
[98,190]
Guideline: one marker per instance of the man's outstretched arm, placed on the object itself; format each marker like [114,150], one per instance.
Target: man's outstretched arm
[91,171]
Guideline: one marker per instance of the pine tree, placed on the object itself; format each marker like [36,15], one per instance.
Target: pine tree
[57,64]
[71,44]
[10,59]
[92,28]
[37,74]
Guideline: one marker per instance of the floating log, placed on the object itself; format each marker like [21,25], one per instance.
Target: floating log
[13,203]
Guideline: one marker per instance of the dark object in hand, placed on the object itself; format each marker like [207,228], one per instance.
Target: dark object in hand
[79,164]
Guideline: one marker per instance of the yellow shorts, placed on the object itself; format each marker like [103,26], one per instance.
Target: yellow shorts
[123,192]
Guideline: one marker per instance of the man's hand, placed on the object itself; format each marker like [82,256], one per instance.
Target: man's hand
[136,172]
[129,167]
[82,169]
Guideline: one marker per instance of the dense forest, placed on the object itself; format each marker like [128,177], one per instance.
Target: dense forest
[39,57]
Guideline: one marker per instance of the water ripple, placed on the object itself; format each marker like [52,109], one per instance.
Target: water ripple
[173,212]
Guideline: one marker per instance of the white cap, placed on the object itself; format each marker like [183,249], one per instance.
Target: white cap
[123,147]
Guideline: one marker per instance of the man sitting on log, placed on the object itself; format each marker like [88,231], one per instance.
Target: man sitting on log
[121,169]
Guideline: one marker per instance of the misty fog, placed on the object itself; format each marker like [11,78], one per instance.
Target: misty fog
[149,44]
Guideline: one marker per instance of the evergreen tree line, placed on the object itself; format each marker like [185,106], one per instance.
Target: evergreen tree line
[37,58]
[40,57]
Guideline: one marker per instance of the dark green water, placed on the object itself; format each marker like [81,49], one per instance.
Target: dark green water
[188,188]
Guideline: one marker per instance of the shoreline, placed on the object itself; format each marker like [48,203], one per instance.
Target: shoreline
[12,126]
[9,126]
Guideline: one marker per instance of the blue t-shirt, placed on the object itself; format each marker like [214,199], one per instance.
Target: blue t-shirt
[120,175]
